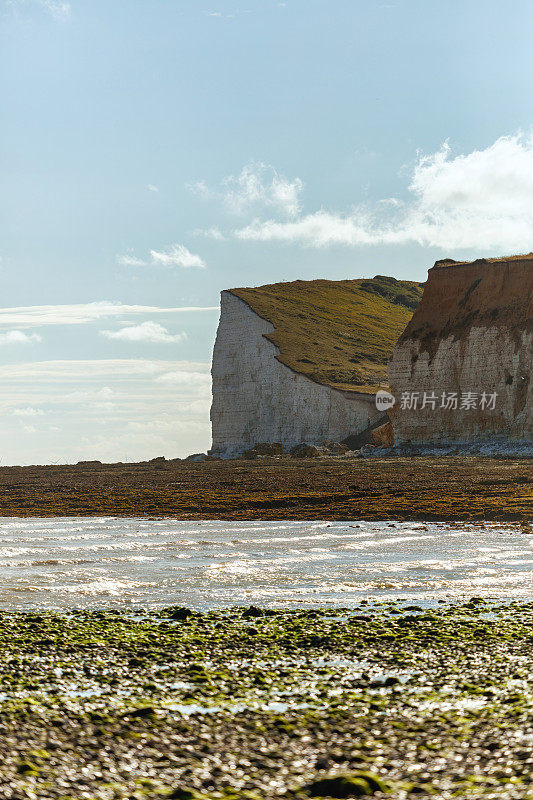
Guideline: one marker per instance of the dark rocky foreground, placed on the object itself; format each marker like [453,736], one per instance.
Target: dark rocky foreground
[420,488]
[388,701]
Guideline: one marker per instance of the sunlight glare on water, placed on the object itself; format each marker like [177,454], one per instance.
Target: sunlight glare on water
[127,563]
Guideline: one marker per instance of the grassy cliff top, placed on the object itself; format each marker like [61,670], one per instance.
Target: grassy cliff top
[340,333]
[450,262]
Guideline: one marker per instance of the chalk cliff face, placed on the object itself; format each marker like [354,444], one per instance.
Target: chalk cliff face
[471,333]
[257,398]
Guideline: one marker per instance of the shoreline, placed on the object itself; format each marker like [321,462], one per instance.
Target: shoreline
[126,563]
[423,488]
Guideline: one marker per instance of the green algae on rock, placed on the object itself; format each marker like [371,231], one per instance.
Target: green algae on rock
[396,701]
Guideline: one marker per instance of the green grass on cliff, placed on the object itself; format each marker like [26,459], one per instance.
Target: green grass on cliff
[340,333]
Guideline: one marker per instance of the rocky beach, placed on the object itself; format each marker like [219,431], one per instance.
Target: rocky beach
[383,700]
[372,659]
[435,488]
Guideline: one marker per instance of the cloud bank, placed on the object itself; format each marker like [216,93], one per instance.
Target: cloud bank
[82,313]
[481,200]
[97,369]
[108,409]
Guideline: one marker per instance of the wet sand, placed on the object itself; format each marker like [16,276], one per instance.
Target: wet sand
[456,488]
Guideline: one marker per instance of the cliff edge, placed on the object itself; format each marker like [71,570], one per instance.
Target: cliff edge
[338,333]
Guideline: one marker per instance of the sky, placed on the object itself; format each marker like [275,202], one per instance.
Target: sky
[156,152]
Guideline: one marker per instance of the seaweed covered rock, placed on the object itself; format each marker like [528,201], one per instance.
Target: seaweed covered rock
[355,784]
[305,451]
[264,449]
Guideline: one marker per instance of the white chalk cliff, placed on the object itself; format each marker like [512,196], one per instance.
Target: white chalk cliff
[257,398]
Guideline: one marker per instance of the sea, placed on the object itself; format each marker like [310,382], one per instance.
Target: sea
[138,564]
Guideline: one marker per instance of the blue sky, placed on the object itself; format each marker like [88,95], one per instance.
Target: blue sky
[154,153]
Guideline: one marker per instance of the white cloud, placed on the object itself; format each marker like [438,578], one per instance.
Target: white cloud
[29,411]
[220,15]
[175,256]
[59,9]
[103,407]
[19,337]
[152,188]
[184,378]
[105,393]
[82,313]
[169,423]
[145,332]
[29,429]
[313,230]
[202,190]
[481,200]
[96,399]
[257,186]
[211,233]
[131,261]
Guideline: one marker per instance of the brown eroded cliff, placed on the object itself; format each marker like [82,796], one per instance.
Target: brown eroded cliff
[471,338]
